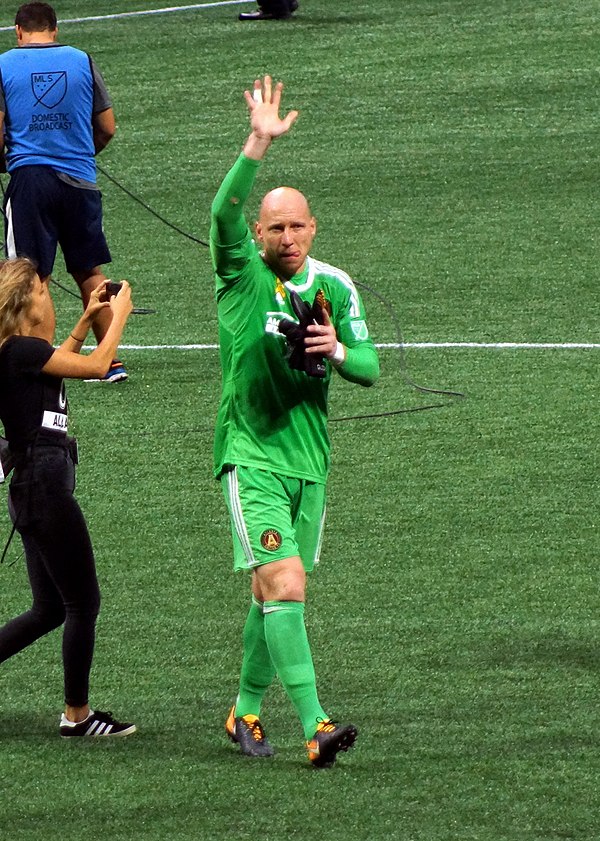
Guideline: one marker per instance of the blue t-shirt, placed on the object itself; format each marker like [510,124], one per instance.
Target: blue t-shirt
[48,96]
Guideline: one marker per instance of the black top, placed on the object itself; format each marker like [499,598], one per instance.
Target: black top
[33,405]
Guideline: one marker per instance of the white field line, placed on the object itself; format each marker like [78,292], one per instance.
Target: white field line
[163,11]
[412,345]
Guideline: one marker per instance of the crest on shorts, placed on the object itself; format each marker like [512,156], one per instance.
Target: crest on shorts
[49,89]
[270,540]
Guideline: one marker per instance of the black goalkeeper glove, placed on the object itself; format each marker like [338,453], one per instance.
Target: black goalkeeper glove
[295,334]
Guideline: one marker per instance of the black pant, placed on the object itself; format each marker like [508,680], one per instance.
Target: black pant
[277,8]
[60,564]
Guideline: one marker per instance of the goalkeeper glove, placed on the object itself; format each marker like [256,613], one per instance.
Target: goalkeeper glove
[295,334]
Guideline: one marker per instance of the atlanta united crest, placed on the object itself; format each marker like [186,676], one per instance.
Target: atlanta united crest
[270,540]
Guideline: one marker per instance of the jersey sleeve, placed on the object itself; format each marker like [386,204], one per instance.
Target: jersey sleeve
[231,244]
[102,100]
[362,362]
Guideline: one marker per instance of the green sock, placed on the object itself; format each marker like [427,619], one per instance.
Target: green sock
[286,638]
[257,671]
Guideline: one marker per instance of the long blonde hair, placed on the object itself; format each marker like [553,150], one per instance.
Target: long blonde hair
[17,278]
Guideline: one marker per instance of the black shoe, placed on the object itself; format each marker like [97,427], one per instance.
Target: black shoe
[258,15]
[248,733]
[96,724]
[328,741]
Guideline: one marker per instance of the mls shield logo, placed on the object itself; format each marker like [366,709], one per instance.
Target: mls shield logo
[359,328]
[49,89]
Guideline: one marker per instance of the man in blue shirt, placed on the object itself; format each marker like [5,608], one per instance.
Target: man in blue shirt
[55,116]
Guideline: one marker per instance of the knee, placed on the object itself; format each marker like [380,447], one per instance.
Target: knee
[84,607]
[48,617]
[283,581]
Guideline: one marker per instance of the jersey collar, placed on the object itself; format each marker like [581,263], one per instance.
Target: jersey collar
[303,280]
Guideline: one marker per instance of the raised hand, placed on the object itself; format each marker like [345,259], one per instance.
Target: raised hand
[265,122]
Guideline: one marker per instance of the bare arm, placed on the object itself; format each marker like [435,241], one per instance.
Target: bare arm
[66,361]
[104,128]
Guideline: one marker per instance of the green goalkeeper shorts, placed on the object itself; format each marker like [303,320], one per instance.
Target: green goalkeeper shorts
[273,517]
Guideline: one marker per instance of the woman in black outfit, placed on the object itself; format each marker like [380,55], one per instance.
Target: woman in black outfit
[33,410]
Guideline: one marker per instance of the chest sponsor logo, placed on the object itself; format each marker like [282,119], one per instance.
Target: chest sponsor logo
[49,89]
[359,328]
[55,420]
[272,322]
[270,540]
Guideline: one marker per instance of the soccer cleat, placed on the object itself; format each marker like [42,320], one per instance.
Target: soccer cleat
[248,733]
[328,741]
[96,724]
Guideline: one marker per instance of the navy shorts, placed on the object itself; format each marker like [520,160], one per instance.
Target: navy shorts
[42,211]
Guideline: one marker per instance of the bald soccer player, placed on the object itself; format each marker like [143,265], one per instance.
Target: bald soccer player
[286,322]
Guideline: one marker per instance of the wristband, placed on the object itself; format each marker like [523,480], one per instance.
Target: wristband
[81,341]
[339,355]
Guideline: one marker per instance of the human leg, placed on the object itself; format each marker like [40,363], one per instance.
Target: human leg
[47,610]
[62,576]
[257,670]
[29,225]
[70,563]
[84,246]
[88,280]
[277,528]
[261,506]
[56,536]
[282,587]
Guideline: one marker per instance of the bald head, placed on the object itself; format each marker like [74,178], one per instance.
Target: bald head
[286,229]
[285,200]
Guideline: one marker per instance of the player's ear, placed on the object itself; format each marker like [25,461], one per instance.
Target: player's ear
[258,231]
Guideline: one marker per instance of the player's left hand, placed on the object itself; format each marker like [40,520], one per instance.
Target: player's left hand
[321,338]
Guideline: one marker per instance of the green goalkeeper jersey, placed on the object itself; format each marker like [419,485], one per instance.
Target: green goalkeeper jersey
[272,417]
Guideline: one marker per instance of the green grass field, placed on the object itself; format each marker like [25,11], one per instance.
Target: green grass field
[450,151]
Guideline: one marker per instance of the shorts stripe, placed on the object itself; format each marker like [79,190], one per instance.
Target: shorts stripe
[237,515]
[11,250]
[317,557]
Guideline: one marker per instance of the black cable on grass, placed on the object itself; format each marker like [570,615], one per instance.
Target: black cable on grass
[150,209]
[403,370]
